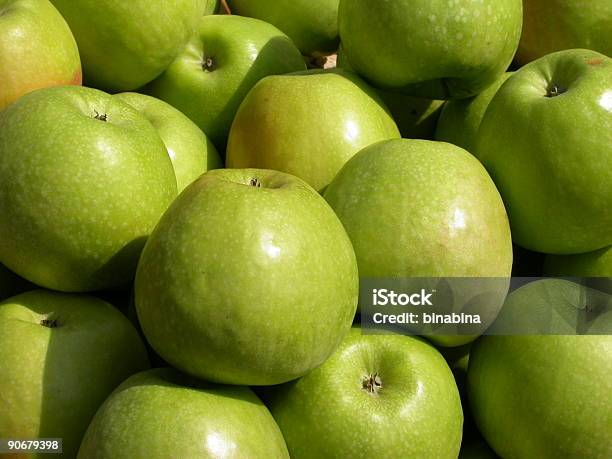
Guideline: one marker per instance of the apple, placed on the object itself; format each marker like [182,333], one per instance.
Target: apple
[312,25]
[162,413]
[432,49]
[416,117]
[61,355]
[555,25]
[307,124]
[224,58]
[554,391]
[84,179]
[124,45]
[418,208]
[545,139]
[211,6]
[11,284]
[260,255]
[37,49]
[376,396]
[189,149]
[596,266]
[460,119]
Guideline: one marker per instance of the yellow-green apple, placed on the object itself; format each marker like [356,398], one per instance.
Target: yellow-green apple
[191,152]
[460,119]
[124,45]
[211,6]
[431,48]
[386,396]
[545,139]
[162,413]
[224,58]
[61,355]
[416,117]
[591,264]
[418,208]
[312,25]
[555,25]
[554,391]
[84,178]
[11,284]
[307,124]
[37,49]
[260,255]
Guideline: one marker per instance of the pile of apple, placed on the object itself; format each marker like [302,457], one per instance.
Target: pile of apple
[437,135]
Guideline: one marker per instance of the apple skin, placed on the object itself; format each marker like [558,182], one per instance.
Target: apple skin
[550,155]
[37,49]
[211,7]
[592,264]
[431,48]
[555,25]
[554,391]
[162,413]
[460,119]
[312,25]
[54,377]
[418,208]
[308,124]
[189,149]
[329,413]
[78,195]
[124,45]
[262,256]
[416,117]
[239,52]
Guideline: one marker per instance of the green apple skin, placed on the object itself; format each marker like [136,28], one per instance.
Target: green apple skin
[162,413]
[61,355]
[555,25]
[262,256]
[431,48]
[223,60]
[189,149]
[554,392]
[37,49]
[335,411]
[308,124]
[460,119]
[211,7]
[416,117]
[11,284]
[312,25]
[84,179]
[124,45]
[550,155]
[592,264]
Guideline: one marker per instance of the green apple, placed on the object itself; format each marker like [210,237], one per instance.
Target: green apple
[124,45]
[416,117]
[260,255]
[307,124]
[431,48]
[591,264]
[388,396]
[37,49]
[224,58]
[460,119]
[61,355]
[555,25]
[162,413]
[545,139]
[84,179]
[211,6]
[191,152]
[554,391]
[418,208]
[11,284]
[312,25]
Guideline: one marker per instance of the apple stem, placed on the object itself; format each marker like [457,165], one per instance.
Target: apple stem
[555,90]
[100,116]
[50,323]
[209,64]
[255,182]
[372,383]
